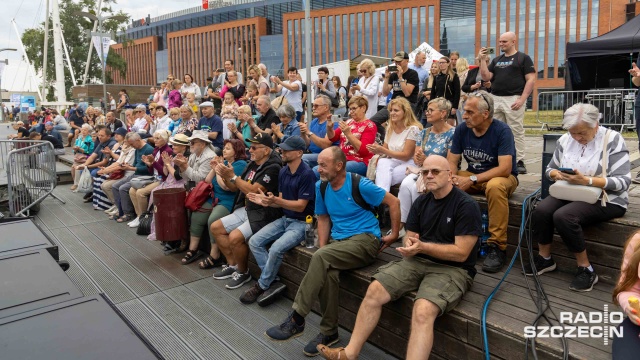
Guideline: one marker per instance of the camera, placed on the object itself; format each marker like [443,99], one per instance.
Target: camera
[491,50]
[393,68]
[336,118]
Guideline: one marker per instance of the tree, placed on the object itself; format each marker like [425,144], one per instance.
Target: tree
[76,34]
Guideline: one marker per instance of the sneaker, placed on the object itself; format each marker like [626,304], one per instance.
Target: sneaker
[521,168]
[225,273]
[312,347]
[134,223]
[494,260]
[271,294]
[541,265]
[584,280]
[250,296]
[238,279]
[285,331]
[636,180]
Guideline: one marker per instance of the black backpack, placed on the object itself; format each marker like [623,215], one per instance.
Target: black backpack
[355,193]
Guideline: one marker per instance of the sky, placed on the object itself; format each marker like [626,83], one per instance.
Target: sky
[30,13]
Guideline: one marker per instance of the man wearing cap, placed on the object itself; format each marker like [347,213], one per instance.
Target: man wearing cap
[404,82]
[233,231]
[211,123]
[296,183]
[197,166]
[112,123]
[49,129]
[438,263]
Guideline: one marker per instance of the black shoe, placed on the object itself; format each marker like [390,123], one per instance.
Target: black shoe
[541,265]
[521,168]
[285,331]
[636,180]
[494,260]
[312,347]
[87,195]
[250,296]
[584,280]
[271,294]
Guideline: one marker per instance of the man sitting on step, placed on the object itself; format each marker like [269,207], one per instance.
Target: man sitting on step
[439,252]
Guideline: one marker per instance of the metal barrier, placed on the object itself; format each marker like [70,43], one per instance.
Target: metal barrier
[615,105]
[30,170]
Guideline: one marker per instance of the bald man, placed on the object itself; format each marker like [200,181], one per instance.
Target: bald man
[439,255]
[512,76]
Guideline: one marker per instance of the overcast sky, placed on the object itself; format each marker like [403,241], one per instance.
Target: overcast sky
[29,13]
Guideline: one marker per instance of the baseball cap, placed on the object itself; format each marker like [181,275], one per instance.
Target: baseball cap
[121,131]
[206,103]
[48,123]
[293,143]
[401,55]
[263,139]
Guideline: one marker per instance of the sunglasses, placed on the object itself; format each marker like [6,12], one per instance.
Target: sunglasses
[479,94]
[362,71]
[435,172]
[316,105]
[255,147]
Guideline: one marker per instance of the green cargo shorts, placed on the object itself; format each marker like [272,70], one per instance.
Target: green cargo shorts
[443,285]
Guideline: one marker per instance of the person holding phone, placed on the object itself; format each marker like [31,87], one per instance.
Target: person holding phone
[578,160]
[314,134]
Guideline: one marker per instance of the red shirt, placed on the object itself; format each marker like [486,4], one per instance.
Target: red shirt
[365,131]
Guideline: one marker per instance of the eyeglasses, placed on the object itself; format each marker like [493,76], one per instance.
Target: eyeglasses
[362,70]
[354,108]
[443,62]
[429,111]
[435,172]
[256,147]
[479,94]
[316,105]
[321,73]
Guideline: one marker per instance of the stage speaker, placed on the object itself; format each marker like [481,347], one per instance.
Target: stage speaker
[550,141]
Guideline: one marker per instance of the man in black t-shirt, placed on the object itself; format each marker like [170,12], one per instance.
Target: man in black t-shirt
[22,132]
[512,76]
[403,81]
[439,256]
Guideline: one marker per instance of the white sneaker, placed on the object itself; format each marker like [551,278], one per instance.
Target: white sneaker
[113,212]
[134,223]
[111,209]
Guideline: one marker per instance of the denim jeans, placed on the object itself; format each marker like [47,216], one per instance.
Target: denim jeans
[352,167]
[311,159]
[284,234]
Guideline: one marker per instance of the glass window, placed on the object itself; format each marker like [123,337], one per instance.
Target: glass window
[316,41]
[532,33]
[551,52]
[390,37]
[423,24]
[503,16]
[415,29]
[332,45]
[573,10]
[483,27]
[375,33]
[354,36]
[522,25]
[595,9]
[584,10]
[291,56]
[345,38]
[384,42]
[339,43]
[407,33]
[324,50]
[399,34]
[367,35]
[359,34]
[432,20]
[541,39]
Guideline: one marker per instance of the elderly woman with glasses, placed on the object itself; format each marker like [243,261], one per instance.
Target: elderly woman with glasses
[354,135]
[288,125]
[367,86]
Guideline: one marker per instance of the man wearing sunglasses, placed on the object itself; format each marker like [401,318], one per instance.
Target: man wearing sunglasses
[488,147]
[439,256]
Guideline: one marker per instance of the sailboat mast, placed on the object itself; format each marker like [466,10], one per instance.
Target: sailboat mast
[57,50]
[45,50]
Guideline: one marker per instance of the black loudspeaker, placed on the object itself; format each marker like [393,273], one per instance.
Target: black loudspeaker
[550,141]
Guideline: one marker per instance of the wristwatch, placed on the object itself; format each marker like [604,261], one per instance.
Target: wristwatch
[474,179]
[233,179]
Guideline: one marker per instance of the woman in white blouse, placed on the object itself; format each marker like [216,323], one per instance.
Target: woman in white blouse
[367,86]
[396,153]
[189,86]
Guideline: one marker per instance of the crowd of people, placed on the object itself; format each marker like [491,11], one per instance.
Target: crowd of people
[271,170]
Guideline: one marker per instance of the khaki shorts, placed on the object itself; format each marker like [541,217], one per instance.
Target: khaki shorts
[441,284]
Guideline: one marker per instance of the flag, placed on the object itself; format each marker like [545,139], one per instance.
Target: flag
[106,45]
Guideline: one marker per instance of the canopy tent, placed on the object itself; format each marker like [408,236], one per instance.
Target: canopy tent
[604,61]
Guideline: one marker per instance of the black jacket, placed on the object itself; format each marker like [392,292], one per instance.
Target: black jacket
[471,80]
[265,121]
[449,88]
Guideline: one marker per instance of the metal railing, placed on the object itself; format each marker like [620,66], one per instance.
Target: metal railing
[29,170]
[615,105]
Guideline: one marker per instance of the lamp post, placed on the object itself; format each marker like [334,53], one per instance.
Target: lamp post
[6,62]
[101,20]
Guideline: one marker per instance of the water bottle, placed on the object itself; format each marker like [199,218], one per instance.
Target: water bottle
[309,233]
[482,239]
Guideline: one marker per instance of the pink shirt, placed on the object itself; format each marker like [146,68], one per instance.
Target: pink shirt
[623,297]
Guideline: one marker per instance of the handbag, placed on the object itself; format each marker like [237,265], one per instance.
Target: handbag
[85,184]
[145,223]
[373,167]
[198,195]
[138,182]
[279,101]
[421,187]
[116,175]
[563,190]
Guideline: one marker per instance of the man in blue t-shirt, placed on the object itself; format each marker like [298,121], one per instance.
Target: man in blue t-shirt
[315,133]
[296,184]
[211,123]
[355,242]
[488,147]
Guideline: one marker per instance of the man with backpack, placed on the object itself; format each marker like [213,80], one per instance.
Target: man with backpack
[349,238]
[512,77]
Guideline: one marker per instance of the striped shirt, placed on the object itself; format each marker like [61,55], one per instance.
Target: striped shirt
[571,154]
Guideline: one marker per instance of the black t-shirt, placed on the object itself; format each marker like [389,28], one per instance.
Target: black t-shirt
[508,73]
[265,121]
[217,103]
[114,126]
[412,78]
[57,144]
[265,175]
[24,132]
[441,220]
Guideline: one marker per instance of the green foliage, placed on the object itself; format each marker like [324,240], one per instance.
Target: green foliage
[76,30]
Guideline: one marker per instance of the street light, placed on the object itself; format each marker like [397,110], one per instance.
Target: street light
[101,20]
[6,62]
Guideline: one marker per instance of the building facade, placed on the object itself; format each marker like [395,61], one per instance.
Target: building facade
[198,41]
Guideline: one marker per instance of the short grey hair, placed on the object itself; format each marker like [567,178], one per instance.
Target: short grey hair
[325,99]
[442,104]
[162,133]
[287,111]
[132,136]
[265,98]
[86,126]
[586,113]
[485,101]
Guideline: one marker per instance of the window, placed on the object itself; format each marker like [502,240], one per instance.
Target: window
[423,24]
[541,39]
[432,21]
[367,35]
[375,33]
[595,7]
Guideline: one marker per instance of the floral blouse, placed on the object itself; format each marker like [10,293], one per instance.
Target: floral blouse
[436,144]
[365,131]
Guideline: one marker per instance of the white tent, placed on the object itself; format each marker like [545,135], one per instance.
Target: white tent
[432,55]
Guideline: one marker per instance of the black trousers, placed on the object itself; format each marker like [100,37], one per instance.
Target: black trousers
[568,218]
[627,346]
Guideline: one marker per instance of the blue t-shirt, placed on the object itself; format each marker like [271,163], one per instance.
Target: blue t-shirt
[481,153]
[300,185]
[212,124]
[349,218]
[321,131]
[225,198]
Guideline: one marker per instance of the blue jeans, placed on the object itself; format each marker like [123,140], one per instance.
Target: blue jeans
[284,234]
[352,167]
[61,127]
[311,159]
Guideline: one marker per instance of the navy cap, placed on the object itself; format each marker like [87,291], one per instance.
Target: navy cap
[293,143]
[121,131]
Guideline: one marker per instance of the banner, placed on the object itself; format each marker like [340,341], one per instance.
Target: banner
[27,103]
[106,45]
[432,55]
[205,4]
[15,99]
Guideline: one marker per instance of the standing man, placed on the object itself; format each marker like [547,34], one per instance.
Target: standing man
[635,73]
[211,123]
[487,146]
[112,102]
[439,257]
[315,134]
[512,76]
[229,66]
[265,73]
[349,238]
[417,65]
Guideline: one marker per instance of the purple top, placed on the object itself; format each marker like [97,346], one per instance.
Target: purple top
[175,99]
[158,165]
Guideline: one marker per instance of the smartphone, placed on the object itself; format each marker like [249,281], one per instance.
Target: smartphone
[336,118]
[567,171]
[393,68]
[491,50]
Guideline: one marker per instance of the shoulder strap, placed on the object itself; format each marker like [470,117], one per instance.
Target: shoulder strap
[323,188]
[355,192]
[605,164]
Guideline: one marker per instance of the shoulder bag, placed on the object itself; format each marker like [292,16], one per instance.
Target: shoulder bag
[199,195]
[569,192]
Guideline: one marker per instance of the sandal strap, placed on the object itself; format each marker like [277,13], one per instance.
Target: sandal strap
[332,353]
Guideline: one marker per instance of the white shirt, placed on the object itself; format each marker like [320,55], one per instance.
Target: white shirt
[163,123]
[193,88]
[139,124]
[369,89]
[294,97]
[112,104]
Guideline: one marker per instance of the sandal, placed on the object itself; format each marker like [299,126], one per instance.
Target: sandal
[190,257]
[184,245]
[114,216]
[210,262]
[332,353]
[126,218]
